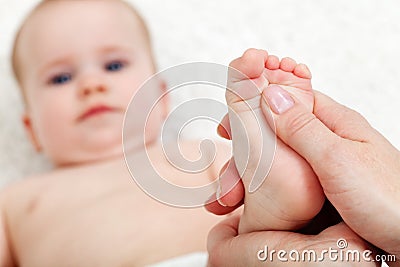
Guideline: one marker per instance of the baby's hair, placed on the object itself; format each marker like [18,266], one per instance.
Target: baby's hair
[15,61]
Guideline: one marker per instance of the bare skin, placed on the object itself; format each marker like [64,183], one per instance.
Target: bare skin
[358,169]
[243,249]
[78,64]
[291,194]
[96,215]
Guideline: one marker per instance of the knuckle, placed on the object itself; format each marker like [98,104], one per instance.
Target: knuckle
[351,117]
[340,159]
[298,124]
[334,155]
[347,114]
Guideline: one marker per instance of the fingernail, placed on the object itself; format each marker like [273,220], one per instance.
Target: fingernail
[218,196]
[219,193]
[221,130]
[278,99]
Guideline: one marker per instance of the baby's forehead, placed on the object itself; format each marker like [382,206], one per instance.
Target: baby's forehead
[47,21]
[53,11]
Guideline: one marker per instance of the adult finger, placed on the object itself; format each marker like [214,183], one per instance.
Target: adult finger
[227,248]
[358,172]
[297,126]
[345,122]
[315,135]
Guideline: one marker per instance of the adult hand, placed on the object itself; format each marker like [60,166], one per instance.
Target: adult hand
[357,167]
[227,248]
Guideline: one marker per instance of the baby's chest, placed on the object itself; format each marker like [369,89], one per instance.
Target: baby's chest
[118,227]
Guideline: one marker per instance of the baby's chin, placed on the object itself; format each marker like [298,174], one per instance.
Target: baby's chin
[99,150]
[79,158]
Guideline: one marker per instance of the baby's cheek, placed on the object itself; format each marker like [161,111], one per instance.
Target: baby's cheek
[52,121]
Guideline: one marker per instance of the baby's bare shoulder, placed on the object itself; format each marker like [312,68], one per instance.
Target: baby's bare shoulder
[17,194]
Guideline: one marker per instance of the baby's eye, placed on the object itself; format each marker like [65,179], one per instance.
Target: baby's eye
[115,66]
[61,78]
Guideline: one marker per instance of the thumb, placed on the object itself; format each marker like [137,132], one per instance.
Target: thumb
[299,128]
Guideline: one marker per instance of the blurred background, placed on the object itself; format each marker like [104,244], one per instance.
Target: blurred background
[351,47]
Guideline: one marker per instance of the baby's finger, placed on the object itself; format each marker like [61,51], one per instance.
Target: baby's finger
[224,128]
[216,208]
[231,191]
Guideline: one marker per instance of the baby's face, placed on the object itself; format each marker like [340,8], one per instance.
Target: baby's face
[81,62]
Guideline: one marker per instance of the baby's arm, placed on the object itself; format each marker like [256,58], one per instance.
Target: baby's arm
[6,259]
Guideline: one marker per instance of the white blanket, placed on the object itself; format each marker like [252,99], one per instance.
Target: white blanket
[198,259]
[350,46]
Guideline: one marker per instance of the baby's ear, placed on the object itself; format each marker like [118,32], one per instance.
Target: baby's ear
[27,121]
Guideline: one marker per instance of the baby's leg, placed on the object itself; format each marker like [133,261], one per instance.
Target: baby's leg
[291,194]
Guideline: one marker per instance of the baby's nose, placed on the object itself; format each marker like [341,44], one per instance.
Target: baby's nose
[89,90]
[92,86]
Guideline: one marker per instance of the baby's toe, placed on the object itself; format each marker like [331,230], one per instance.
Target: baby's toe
[251,64]
[272,62]
[287,64]
[302,71]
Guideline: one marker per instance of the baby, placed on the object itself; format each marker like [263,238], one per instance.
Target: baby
[291,194]
[78,63]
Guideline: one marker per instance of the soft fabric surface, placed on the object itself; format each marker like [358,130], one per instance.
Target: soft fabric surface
[350,46]
[198,259]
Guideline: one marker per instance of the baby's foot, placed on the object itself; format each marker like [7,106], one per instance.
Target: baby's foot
[291,194]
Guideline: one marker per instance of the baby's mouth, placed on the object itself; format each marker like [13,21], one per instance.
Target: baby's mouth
[95,111]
